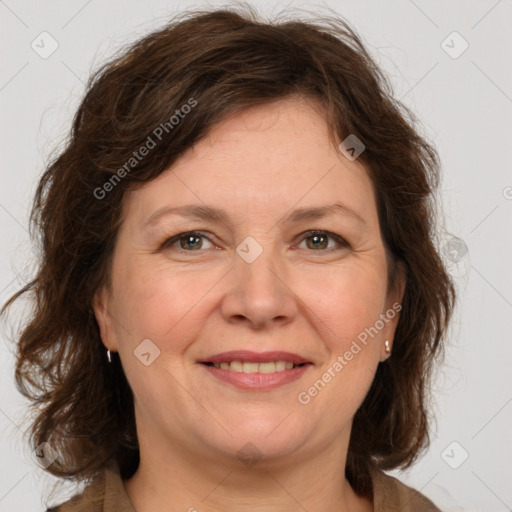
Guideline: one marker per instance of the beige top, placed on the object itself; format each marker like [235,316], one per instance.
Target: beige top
[107,494]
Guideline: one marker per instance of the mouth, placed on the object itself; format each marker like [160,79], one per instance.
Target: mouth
[256,371]
[256,362]
[251,367]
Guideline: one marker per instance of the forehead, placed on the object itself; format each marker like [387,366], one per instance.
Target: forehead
[267,158]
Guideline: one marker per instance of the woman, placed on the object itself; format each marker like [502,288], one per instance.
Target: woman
[239,300]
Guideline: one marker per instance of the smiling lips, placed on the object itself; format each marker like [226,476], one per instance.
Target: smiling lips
[248,367]
[256,371]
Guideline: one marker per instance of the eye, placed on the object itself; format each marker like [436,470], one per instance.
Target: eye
[319,240]
[189,241]
[316,240]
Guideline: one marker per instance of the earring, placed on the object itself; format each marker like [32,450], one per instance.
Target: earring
[387,348]
[108,356]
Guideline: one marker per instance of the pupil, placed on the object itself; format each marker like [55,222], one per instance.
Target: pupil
[317,241]
[316,238]
[189,240]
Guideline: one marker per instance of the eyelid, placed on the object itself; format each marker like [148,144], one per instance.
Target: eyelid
[338,238]
[170,241]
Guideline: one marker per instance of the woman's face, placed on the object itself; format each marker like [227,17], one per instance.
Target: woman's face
[251,279]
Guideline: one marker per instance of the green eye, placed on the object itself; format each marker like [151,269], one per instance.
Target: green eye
[317,241]
[320,240]
[189,241]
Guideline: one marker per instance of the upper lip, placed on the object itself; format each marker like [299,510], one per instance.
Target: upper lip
[255,357]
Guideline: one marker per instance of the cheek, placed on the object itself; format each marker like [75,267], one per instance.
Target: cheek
[344,317]
[160,303]
[165,303]
[347,300]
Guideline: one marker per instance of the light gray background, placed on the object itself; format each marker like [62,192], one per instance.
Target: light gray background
[465,107]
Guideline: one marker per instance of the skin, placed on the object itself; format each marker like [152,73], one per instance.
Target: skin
[198,299]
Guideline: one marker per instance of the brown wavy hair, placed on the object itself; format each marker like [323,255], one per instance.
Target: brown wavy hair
[226,61]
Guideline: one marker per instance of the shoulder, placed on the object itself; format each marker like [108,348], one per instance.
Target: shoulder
[90,500]
[105,493]
[389,494]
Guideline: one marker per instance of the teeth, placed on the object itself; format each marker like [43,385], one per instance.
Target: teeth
[267,367]
[246,367]
[250,367]
[281,365]
[236,366]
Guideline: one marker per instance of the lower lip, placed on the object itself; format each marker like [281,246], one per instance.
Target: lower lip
[258,381]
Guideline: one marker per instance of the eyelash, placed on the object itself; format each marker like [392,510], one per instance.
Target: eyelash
[168,243]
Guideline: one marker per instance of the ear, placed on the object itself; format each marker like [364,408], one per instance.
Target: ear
[100,306]
[393,308]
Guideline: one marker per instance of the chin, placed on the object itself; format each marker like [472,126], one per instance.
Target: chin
[255,441]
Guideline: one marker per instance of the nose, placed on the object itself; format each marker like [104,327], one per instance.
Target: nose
[260,293]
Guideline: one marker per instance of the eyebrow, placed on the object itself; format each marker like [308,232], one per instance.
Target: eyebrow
[208,213]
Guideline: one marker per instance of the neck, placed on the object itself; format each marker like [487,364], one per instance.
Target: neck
[189,480]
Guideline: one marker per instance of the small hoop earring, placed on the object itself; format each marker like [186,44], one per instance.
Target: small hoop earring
[108,356]
[387,348]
